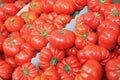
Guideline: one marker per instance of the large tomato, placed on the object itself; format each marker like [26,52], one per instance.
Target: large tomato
[112,13]
[5,70]
[91,70]
[59,39]
[84,35]
[11,46]
[50,57]
[71,51]
[25,55]
[69,67]
[64,6]
[113,69]
[14,23]
[108,34]
[27,71]
[93,51]
[98,5]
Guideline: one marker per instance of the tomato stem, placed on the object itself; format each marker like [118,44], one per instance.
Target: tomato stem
[34,6]
[44,34]
[102,1]
[53,61]
[115,12]
[96,14]
[85,35]
[13,41]
[25,72]
[62,32]
[12,20]
[75,13]
[67,68]
[25,16]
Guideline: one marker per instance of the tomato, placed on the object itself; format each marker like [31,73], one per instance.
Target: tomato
[112,69]
[36,6]
[119,40]
[19,4]
[11,60]
[5,70]
[69,67]
[50,57]
[59,39]
[61,20]
[11,46]
[71,51]
[27,71]
[10,9]
[79,4]
[38,42]
[84,35]
[93,51]
[3,15]
[14,35]
[26,1]
[93,19]
[14,23]
[91,70]
[108,34]
[48,5]
[64,6]
[25,55]
[7,1]
[98,5]
[112,13]
[29,16]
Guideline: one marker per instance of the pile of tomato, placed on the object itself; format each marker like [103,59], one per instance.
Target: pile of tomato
[90,52]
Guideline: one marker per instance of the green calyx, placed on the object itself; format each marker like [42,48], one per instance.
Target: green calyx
[115,13]
[44,34]
[12,20]
[13,41]
[84,35]
[25,72]
[25,16]
[53,61]
[102,1]
[75,13]
[34,5]
[62,32]
[29,25]
[67,68]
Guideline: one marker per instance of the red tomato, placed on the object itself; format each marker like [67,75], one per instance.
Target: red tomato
[98,5]
[112,69]
[59,39]
[25,55]
[3,15]
[91,70]
[50,57]
[108,34]
[119,40]
[71,51]
[5,70]
[29,17]
[10,9]
[69,67]
[14,23]
[11,46]
[7,1]
[64,6]
[19,4]
[93,51]
[112,13]
[27,71]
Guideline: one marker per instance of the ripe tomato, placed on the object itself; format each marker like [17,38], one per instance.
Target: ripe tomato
[69,67]
[71,51]
[93,51]
[3,15]
[119,40]
[50,57]
[14,23]
[11,46]
[98,5]
[8,1]
[64,6]
[59,39]
[19,4]
[27,71]
[5,70]
[113,69]
[10,9]
[91,70]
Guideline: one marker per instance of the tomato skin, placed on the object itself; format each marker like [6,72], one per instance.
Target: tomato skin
[27,71]
[93,51]
[19,4]
[5,70]
[3,15]
[69,67]
[119,40]
[14,23]
[64,6]
[11,46]
[10,9]
[91,70]
[59,39]
[50,57]
[98,5]
[108,34]
[29,16]
[112,69]
[112,13]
